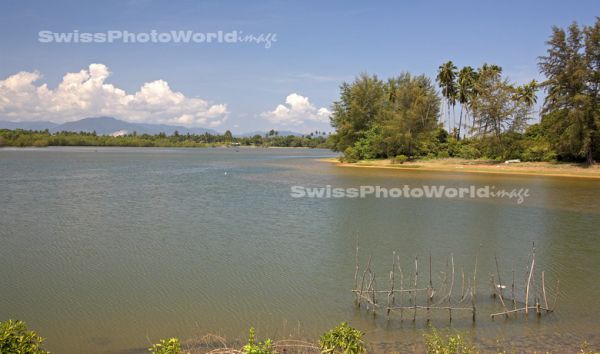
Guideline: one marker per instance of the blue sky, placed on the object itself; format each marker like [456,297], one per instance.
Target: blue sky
[319,45]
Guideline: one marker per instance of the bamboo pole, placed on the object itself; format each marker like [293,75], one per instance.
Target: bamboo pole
[514,301]
[401,290]
[451,288]
[415,286]
[421,307]
[462,285]
[391,293]
[373,283]
[498,287]
[544,290]
[362,282]
[474,289]
[520,309]
[528,282]
[356,269]
[410,290]
[430,289]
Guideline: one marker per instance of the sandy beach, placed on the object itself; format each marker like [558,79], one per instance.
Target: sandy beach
[482,166]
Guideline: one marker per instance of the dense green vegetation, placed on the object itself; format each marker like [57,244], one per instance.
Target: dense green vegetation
[22,138]
[342,339]
[16,339]
[403,115]
[375,119]
[571,112]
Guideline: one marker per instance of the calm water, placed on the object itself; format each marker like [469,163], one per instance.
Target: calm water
[102,249]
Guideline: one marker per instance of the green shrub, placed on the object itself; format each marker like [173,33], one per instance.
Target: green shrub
[469,152]
[167,346]
[449,344]
[364,149]
[430,156]
[342,339]
[254,347]
[453,147]
[40,143]
[351,155]
[443,155]
[400,159]
[16,339]
[538,151]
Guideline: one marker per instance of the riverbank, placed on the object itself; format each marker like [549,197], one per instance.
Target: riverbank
[481,166]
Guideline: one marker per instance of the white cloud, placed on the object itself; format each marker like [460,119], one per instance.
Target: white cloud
[296,110]
[86,93]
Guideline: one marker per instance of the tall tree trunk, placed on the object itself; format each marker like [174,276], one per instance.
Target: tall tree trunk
[448,118]
[460,122]
[454,116]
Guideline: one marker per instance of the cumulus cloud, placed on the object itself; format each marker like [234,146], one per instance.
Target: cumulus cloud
[86,93]
[296,111]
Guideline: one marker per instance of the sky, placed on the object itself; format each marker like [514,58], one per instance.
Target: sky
[243,87]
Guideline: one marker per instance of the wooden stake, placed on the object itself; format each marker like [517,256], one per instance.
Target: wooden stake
[528,282]
[451,288]
[356,271]
[415,286]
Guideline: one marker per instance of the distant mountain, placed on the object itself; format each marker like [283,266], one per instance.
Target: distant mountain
[105,126]
[113,126]
[263,133]
[41,125]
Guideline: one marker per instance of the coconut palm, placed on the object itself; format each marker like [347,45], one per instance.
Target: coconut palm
[446,78]
[526,93]
[492,68]
[465,91]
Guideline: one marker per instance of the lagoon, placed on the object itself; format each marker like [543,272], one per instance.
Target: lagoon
[102,249]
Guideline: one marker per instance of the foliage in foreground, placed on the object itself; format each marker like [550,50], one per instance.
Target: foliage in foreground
[167,346]
[254,347]
[342,339]
[585,349]
[437,343]
[16,339]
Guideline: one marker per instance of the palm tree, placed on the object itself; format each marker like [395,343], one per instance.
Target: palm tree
[526,93]
[496,69]
[465,91]
[446,80]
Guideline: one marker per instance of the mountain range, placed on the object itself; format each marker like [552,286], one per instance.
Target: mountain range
[113,126]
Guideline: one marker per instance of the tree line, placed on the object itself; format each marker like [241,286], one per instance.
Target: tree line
[405,116]
[23,138]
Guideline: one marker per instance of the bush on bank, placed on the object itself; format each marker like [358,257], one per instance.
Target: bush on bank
[15,338]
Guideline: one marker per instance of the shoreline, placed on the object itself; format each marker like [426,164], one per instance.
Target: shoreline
[543,169]
[31,147]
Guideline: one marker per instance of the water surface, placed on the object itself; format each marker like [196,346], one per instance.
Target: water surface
[103,249]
